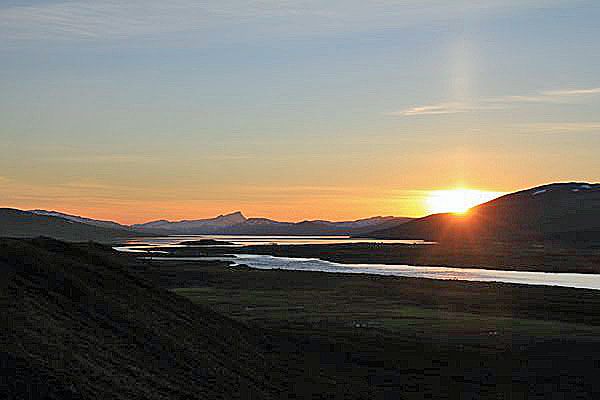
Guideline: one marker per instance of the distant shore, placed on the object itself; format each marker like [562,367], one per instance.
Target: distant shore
[509,256]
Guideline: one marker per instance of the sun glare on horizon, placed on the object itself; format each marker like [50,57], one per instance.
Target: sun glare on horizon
[457,200]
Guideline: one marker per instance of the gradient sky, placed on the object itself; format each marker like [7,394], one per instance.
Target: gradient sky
[291,110]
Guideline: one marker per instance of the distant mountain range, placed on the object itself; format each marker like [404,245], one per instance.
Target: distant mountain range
[230,224]
[236,224]
[560,211]
[197,226]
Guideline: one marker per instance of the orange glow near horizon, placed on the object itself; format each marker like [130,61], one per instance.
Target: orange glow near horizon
[457,200]
[293,206]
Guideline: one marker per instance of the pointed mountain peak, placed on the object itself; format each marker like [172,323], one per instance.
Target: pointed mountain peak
[234,217]
[237,214]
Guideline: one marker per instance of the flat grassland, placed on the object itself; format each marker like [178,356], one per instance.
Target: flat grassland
[518,256]
[409,337]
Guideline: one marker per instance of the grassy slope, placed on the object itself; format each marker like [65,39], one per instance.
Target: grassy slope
[78,321]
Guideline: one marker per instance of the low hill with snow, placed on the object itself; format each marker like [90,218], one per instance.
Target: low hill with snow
[19,224]
[568,212]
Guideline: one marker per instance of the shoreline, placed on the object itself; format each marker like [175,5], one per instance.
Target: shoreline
[232,264]
[457,294]
[523,258]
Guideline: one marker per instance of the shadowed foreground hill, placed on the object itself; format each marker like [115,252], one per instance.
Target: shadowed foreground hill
[569,212]
[78,322]
[22,224]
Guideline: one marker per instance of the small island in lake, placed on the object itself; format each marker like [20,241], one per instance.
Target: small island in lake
[207,242]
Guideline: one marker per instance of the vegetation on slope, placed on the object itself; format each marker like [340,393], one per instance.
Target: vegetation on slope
[79,321]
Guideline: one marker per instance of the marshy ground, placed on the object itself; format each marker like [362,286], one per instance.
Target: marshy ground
[408,337]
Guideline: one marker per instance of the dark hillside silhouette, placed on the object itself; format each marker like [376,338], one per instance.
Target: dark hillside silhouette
[567,212]
[80,322]
[17,223]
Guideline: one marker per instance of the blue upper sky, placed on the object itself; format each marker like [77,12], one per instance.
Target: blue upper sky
[292,109]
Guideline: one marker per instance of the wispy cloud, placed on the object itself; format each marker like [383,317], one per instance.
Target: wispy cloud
[94,19]
[442,108]
[86,185]
[103,158]
[558,127]
[227,157]
[497,103]
[571,92]
[454,107]
[110,158]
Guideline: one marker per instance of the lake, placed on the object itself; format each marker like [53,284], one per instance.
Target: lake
[243,240]
[585,281]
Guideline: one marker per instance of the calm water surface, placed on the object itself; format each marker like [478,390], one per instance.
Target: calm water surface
[139,244]
[585,281]
[582,281]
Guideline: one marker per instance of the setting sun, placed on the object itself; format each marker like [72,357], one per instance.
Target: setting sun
[457,200]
